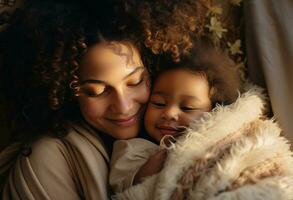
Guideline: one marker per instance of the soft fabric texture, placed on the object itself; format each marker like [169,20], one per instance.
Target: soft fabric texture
[127,157]
[231,153]
[75,167]
[269,49]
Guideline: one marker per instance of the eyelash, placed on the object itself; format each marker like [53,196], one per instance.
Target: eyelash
[158,104]
[136,84]
[92,94]
[89,94]
[185,109]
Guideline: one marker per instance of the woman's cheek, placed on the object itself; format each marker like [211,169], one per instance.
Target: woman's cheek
[91,108]
[148,83]
[145,93]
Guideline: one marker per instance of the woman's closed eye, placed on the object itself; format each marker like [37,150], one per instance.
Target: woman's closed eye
[135,82]
[93,92]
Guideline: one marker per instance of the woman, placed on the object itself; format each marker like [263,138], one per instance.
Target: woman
[78,83]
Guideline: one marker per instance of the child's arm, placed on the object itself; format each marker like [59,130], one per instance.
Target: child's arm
[127,158]
[153,165]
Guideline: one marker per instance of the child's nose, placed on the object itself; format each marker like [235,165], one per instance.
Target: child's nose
[170,113]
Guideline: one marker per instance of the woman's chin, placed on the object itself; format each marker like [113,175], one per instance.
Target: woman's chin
[125,133]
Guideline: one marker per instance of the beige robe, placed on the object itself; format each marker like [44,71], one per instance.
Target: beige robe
[127,157]
[75,167]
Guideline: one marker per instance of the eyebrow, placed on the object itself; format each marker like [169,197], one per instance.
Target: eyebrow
[159,93]
[139,68]
[166,95]
[191,97]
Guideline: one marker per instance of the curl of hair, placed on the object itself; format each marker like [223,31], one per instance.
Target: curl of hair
[171,26]
[216,66]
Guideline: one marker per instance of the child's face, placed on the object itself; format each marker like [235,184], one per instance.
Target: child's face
[178,97]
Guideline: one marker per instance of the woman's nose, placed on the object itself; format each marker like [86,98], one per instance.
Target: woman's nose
[170,113]
[121,103]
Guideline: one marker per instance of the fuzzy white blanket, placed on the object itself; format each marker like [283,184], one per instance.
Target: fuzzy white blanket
[231,153]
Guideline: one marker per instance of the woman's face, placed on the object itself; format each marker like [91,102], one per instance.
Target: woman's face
[114,89]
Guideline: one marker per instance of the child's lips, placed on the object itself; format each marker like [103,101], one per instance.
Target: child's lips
[169,130]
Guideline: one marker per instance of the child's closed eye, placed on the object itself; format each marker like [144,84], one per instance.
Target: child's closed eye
[184,108]
[192,109]
[158,104]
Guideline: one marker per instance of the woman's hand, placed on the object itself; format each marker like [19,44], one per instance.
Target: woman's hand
[153,165]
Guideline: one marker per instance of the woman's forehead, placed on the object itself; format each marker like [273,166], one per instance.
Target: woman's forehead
[110,57]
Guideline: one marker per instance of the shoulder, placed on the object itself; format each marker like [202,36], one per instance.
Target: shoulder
[45,157]
[43,169]
[80,142]
[58,167]
[43,148]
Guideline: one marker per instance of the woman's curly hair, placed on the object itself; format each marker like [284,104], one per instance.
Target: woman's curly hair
[40,56]
[171,26]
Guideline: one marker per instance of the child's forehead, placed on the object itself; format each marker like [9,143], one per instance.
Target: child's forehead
[183,74]
[182,70]
[181,81]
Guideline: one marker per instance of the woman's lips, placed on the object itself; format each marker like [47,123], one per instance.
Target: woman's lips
[125,122]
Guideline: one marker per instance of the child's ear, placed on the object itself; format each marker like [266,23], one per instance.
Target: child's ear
[212,92]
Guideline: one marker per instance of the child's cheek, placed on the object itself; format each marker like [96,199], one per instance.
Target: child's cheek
[188,118]
[150,117]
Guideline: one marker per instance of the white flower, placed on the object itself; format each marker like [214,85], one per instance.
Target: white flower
[216,27]
[235,2]
[235,47]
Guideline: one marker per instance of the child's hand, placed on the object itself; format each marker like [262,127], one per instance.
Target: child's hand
[153,165]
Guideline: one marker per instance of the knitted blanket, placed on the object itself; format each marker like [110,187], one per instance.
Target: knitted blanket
[231,153]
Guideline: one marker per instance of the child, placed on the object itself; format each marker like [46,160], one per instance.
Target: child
[181,93]
[232,152]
